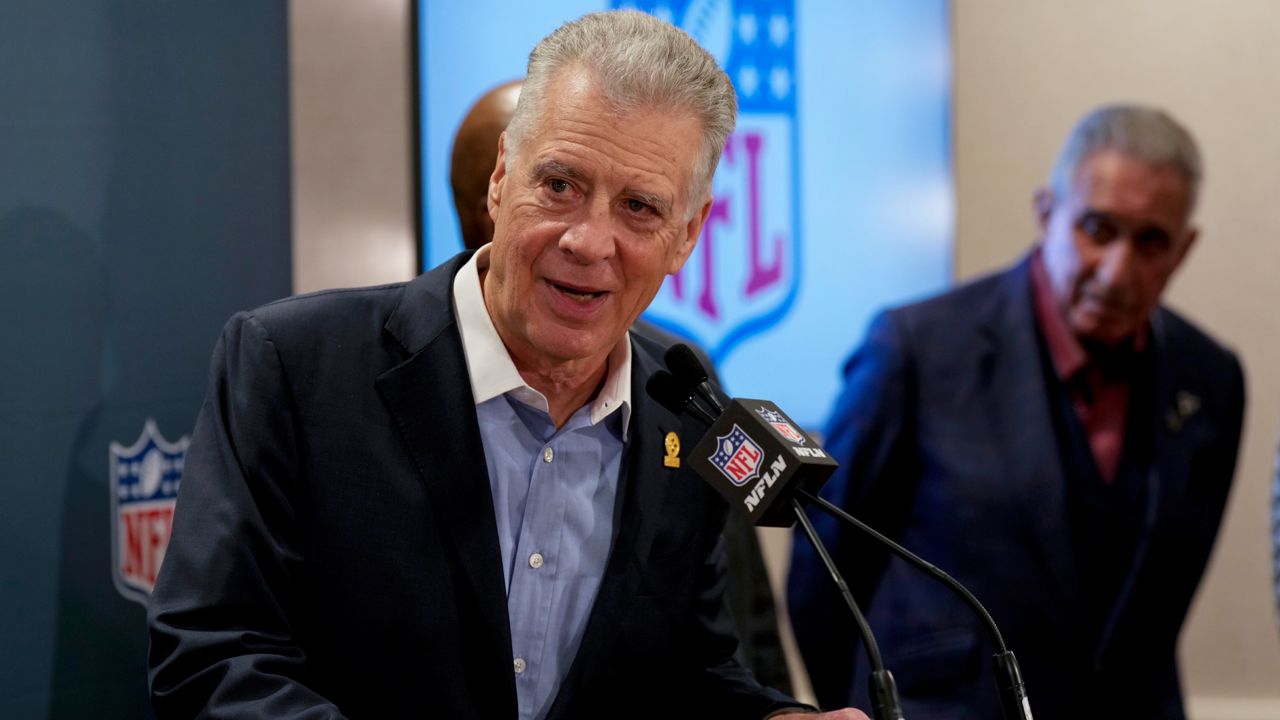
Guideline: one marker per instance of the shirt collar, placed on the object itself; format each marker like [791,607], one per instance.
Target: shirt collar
[489,365]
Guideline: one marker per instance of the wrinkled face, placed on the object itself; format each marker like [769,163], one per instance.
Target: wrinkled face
[590,215]
[1113,242]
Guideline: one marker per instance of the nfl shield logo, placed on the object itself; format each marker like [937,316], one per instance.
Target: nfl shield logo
[144,488]
[779,422]
[744,275]
[737,456]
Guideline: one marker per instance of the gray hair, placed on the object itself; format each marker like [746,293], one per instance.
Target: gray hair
[639,61]
[1145,133]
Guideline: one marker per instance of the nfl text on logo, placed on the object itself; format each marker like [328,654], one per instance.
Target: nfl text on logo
[144,489]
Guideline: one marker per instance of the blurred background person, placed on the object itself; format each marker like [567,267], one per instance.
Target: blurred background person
[1050,435]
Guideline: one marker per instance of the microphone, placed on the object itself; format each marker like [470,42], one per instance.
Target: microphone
[755,439]
[758,459]
[674,396]
[685,364]
[754,455]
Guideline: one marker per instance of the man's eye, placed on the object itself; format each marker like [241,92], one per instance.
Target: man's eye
[1097,228]
[1152,241]
[557,185]
[637,206]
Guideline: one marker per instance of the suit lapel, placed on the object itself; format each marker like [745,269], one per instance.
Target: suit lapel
[642,490]
[1173,406]
[430,399]
[1019,400]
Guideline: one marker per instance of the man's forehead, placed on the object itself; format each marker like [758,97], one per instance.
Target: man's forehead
[1115,178]
[630,149]
[1116,169]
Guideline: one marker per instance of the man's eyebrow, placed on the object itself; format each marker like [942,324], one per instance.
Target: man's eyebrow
[657,202]
[1124,224]
[550,167]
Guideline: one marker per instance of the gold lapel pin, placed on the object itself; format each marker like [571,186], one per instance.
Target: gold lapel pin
[1187,405]
[672,443]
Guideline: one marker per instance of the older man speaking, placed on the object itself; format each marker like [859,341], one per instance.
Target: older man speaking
[443,498]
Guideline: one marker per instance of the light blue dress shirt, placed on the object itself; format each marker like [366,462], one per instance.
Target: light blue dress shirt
[553,495]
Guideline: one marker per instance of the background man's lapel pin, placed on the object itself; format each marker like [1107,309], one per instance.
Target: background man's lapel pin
[1185,405]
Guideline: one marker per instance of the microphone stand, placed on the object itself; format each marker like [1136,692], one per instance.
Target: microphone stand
[885,704]
[884,692]
[1009,684]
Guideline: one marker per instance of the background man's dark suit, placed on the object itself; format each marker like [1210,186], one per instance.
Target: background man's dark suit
[946,437]
[350,524]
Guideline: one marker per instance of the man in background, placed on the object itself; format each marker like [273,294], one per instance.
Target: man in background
[475,147]
[1054,438]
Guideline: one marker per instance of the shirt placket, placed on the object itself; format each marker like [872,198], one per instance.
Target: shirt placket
[534,574]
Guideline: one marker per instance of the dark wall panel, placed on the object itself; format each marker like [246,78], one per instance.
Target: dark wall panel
[144,197]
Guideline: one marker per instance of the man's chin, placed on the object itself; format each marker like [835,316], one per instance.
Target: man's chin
[1106,334]
[571,345]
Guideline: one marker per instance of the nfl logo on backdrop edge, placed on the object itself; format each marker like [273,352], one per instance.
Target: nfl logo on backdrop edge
[144,489]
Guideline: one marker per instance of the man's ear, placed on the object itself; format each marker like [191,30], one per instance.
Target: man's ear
[499,174]
[689,240]
[1042,206]
[1192,234]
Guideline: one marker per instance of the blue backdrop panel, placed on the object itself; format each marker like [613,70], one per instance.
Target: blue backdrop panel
[144,197]
[834,195]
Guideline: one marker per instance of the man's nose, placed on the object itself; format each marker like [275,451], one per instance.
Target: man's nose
[592,238]
[1117,262]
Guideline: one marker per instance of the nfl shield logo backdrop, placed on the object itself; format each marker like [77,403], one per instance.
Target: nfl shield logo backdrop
[144,488]
[744,275]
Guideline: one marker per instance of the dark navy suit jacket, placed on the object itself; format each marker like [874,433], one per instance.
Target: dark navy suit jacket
[334,551]
[946,440]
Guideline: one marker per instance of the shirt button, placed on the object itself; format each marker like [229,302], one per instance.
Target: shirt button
[535,561]
[547,455]
[519,665]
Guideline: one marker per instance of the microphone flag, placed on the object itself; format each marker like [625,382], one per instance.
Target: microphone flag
[756,457]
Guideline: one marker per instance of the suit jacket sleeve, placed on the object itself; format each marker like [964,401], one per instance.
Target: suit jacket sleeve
[869,434]
[728,688]
[222,644]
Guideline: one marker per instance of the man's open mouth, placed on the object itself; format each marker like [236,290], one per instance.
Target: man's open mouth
[578,293]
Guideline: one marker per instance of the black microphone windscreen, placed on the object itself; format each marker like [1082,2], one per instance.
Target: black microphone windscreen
[667,391]
[685,365]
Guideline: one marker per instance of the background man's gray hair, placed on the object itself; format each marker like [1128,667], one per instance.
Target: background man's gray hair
[639,61]
[1145,133]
